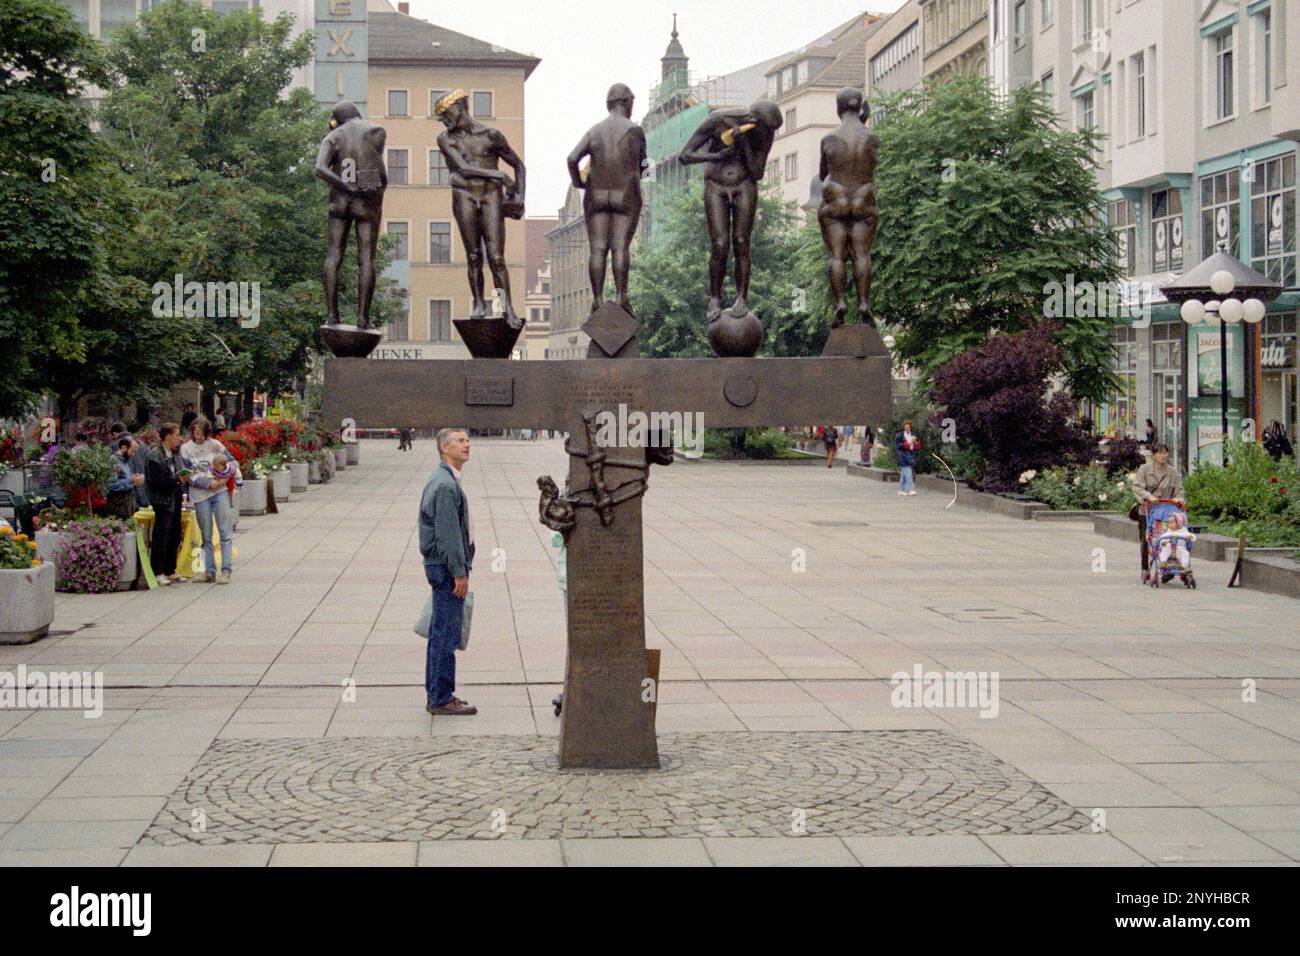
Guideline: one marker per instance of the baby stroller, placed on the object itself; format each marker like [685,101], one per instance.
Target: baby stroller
[1159,513]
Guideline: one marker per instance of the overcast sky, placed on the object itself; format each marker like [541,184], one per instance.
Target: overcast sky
[585,46]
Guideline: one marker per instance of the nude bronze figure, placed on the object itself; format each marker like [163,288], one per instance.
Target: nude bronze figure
[351,161]
[848,214]
[734,145]
[611,201]
[482,197]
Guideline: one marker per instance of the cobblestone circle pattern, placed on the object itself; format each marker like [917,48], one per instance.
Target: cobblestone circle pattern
[344,790]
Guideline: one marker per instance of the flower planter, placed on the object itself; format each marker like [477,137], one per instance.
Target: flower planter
[283,481]
[252,497]
[48,544]
[340,458]
[298,475]
[313,473]
[26,604]
[354,453]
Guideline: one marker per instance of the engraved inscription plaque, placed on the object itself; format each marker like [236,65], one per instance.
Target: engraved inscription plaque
[489,390]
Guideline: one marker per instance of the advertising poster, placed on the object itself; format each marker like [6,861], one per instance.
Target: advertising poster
[1207,377]
[1205,428]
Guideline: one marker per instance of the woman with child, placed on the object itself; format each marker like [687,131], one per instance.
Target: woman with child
[214,474]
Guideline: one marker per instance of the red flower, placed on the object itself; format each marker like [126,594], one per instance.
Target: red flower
[1274,479]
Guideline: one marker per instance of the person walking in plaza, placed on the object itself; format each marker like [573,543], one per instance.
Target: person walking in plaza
[166,486]
[1154,480]
[831,439]
[207,494]
[1150,438]
[121,489]
[868,443]
[447,547]
[908,447]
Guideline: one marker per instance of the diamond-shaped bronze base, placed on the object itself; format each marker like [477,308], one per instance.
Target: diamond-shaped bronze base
[349,341]
[611,328]
[855,341]
[488,338]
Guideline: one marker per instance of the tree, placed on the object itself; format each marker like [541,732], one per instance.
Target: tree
[997,396]
[985,202]
[222,159]
[669,287]
[49,191]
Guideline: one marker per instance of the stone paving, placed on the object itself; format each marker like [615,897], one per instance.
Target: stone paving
[783,598]
[864,783]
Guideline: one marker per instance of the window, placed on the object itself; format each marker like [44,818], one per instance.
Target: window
[1087,110]
[397,102]
[440,242]
[439,174]
[1123,226]
[801,73]
[1087,22]
[440,320]
[996,19]
[1123,399]
[1265,27]
[1223,74]
[434,96]
[1220,222]
[1048,12]
[789,78]
[1020,23]
[402,247]
[398,330]
[546,288]
[1273,219]
[397,167]
[791,166]
[1140,93]
[791,120]
[773,86]
[1047,83]
[482,103]
[1167,231]
[773,171]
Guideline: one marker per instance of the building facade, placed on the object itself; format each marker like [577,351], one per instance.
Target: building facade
[893,54]
[570,287]
[803,84]
[537,273]
[411,65]
[954,37]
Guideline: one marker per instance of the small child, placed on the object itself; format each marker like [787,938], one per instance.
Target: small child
[1177,541]
[225,472]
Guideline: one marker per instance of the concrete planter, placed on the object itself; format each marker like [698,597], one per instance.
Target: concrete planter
[313,473]
[283,483]
[354,453]
[299,473]
[1267,571]
[252,497]
[48,544]
[26,604]
[340,458]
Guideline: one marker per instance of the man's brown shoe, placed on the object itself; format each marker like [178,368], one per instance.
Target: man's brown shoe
[454,708]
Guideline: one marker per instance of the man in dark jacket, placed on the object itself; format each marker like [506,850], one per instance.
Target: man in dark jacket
[448,550]
[139,459]
[165,485]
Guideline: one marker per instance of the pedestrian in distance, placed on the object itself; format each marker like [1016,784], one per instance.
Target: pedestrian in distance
[908,447]
[166,487]
[831,439]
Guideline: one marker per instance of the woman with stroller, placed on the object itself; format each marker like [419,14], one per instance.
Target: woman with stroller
[1156,479]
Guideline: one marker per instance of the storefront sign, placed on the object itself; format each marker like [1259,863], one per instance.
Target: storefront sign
[1277,353]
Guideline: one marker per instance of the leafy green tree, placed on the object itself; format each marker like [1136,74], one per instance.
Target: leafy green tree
[222,158]
[49,193]
[669,287]
[985,202]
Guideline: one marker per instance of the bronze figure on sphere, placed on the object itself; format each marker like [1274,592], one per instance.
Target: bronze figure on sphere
[734,145]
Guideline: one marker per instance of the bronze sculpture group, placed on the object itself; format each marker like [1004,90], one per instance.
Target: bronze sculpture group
[732,144]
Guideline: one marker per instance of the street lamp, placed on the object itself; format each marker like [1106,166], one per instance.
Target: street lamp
[1220,276]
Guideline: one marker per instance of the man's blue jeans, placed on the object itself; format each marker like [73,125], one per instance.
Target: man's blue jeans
[217,507]
[444,636]
[905,480]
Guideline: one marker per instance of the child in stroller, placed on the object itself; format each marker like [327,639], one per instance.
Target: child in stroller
[1169,541]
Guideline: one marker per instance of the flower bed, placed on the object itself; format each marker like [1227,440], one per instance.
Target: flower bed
[1079,489]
